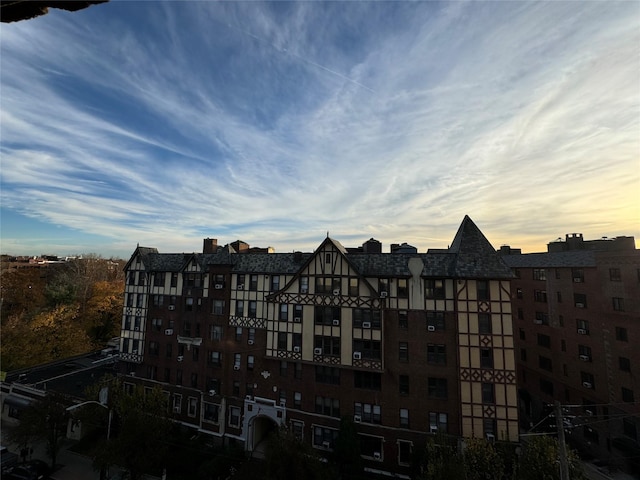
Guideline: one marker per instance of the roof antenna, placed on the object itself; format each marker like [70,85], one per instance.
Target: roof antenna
[327,233]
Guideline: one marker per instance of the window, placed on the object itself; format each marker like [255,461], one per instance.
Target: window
[559,297]
[327,258]
[587,380]
[218,307]
[297,428]
[519,293]
[327,284]
[403,384]
[520,313]
[141,278]
[539,274]
[326,315]
[234,416]
[517,273]
[434,289]
[251,335]
[627,395]
[188,304]
[404,418]
[240,281]
[523,335]
[177,403]
[328,406]
[486,357]
[621,334]
[489,427]
[541,318]
[614,275]
[324,437]
[192,404]
[211,413]
[488,393]
[250,362]
[158,300]
[540,296]
[437,387]
[253,309]
[367,380]
[297,399]
[215,358]
[484,323]
[403,320]
[330,375]
[215,332]
[282,340]
[523,354]
[437,354]
[582,327]
[368,412]
[174,279]
[156,324]
[435,321]
[403,291]
[563,345]
[437,422]
[483,290]
[284,312]
[236,389]
[369,349]
[297,341]
[544,340]
[404,452]
[239,308]
[584,352]
[275,283]
[304,284]
[625,364]
[545,363]
[367,318]
[629,428]
[253,282]
[371,446]
[403,351]
[297,371]
[328,345]
[618,304]
[354,287]
[297,313]
[168,350]
[383,284]
[580,300]
[283,368]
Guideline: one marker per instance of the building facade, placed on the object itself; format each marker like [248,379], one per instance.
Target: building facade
[577,321]
[406,344]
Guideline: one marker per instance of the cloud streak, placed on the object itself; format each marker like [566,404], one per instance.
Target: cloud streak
[269,122]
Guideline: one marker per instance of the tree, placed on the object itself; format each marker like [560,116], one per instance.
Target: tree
[104,311]
[140,427]
[47,420]
[346,452]
[540,460]
[482,461]
[289,458]
[443,460]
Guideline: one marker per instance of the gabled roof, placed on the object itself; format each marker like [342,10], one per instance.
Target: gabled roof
[145,254]
[475,256]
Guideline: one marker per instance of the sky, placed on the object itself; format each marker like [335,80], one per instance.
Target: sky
[162,123]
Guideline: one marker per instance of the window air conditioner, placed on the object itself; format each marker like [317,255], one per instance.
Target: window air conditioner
[134,352]
[579,305]
[317,351]
[357,418]
[491,437]
[366,324]
[176,409]
[383,294]
[431,328]
[172,307]
[577,279]
[241,286]
[585,358]
[326,444]
[433,429]
[212,392]
[377,456]
[357,355]
[296,349]
[236,367]
[336,322]
[248,397]
[168,331]
[218,286]
[303,290]
[582,331]
[296,319]
[180,358]
[336,291]
[537,321]
[250,342]
[587,385]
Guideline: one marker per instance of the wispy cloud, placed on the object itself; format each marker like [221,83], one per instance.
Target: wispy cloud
[275,122]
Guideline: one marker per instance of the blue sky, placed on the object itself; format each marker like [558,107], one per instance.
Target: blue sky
[164,123]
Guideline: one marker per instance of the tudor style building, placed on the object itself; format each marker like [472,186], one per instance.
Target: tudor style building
[406,344]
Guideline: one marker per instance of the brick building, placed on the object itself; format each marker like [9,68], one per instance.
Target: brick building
[406,344]
[577,333]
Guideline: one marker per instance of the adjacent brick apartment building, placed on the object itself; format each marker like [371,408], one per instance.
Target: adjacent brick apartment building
[405,343]
[577,328]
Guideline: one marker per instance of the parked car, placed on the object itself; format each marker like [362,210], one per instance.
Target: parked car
[8,459]
[32,470]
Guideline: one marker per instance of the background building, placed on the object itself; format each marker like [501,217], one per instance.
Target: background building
[577,320]
[405,344]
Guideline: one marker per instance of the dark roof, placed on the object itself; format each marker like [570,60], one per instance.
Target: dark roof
[470,256]
[578,258]
[475,257]
[16,10]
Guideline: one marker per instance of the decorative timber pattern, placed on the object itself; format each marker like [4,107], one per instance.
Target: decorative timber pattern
[332,360]
[286,355]
[488,375]
[131,357]
[367,363]
[326,300]
[247,322]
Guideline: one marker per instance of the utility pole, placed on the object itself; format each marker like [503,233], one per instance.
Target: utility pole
[564,464]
